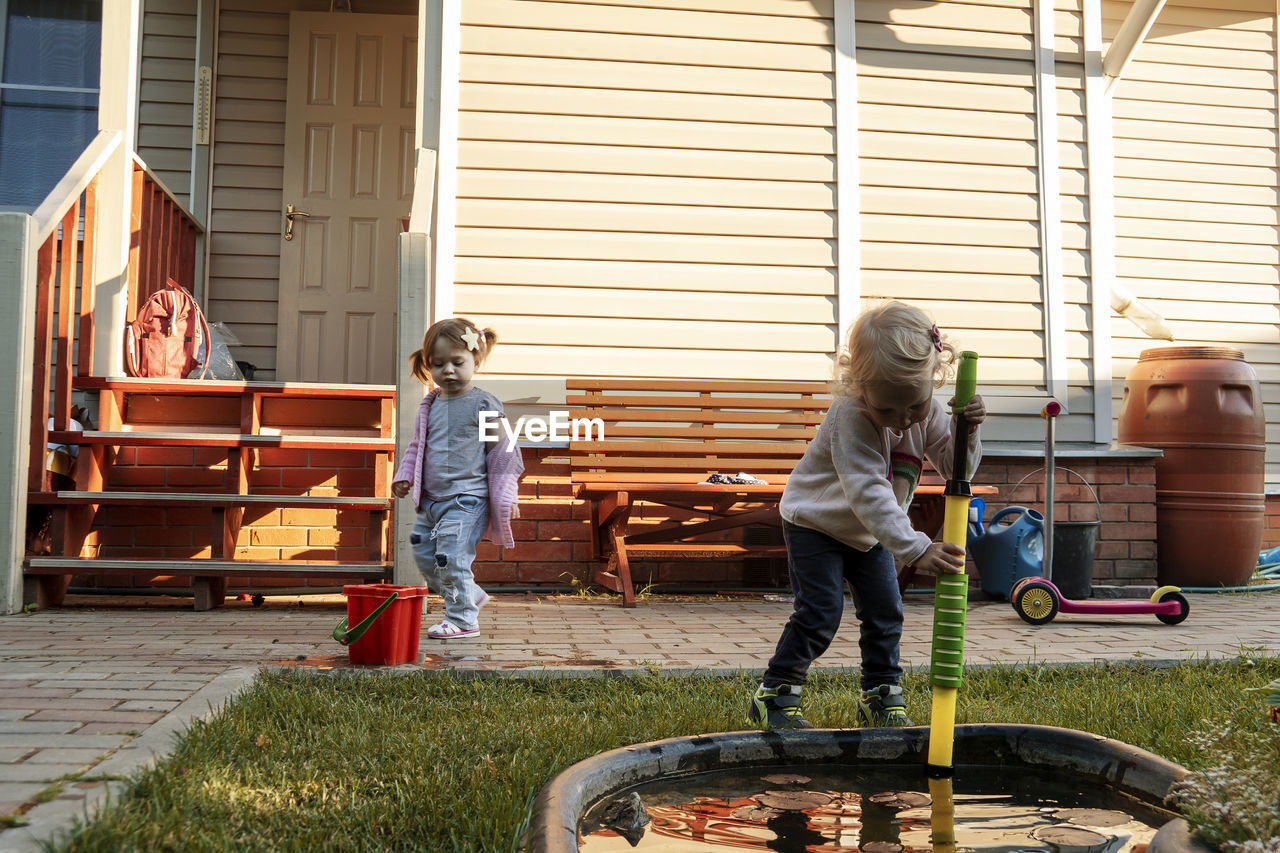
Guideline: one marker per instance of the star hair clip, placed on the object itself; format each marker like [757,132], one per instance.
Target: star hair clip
[472,339]
[936,337]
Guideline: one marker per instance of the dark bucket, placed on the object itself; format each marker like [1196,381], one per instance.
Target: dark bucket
[1074,543]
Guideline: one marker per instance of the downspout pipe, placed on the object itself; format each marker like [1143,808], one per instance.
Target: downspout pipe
[1135,311]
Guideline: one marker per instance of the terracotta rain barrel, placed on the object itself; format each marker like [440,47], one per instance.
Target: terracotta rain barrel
[1203,407]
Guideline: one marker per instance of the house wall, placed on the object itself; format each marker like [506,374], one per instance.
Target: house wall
[553,545]
[1196,186]
[649,191]
[166,93]
[637,197]
[247,201]
[950,212]
[183,533]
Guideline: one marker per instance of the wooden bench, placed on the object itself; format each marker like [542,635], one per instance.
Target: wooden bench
[241,418]
[662,438]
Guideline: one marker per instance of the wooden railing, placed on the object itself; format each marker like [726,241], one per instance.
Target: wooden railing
[162,239]
[65,268]
[162,244]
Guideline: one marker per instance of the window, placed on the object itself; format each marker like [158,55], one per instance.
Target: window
[49,54]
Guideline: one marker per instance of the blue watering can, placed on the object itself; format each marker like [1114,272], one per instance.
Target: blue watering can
[1006,553]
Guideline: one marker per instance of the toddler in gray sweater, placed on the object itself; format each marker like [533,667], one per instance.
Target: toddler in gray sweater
[844,510]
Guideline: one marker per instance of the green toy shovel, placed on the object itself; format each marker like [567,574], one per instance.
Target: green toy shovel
[347,637]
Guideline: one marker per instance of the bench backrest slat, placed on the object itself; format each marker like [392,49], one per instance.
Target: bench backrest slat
[700,401]
[798,432]
[719,386]
[660,431]
[700,415]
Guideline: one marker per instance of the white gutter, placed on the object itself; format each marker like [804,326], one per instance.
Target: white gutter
[1132,309]
[1128,39]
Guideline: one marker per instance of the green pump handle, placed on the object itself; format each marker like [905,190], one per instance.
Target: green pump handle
[347,637]
[951,592]
[966,379]
[966,387]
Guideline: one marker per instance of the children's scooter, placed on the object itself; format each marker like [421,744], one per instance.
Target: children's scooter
[1037,600]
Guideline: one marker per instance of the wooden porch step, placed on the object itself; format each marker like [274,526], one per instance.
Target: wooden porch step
[209,577]
[138,438]
[218,387]
[209,568]
[209,499]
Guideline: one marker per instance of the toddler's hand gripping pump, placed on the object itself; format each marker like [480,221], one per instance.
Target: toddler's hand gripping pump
[951,593]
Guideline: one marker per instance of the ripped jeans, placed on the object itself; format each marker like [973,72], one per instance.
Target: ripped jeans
[444,541]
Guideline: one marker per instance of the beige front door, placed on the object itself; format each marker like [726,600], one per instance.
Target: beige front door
[348,174]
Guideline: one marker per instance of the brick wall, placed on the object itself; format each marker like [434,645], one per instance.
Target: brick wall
[552,544]
[266,534]
[1271,533]
[1126,502]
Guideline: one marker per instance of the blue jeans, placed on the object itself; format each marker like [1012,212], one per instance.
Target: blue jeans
[820,566]
[444,541]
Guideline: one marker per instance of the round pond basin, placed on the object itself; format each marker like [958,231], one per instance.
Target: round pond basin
[1015,788]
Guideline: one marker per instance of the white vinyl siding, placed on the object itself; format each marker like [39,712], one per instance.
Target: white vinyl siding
[1196,186]
[649,191]
[950,216]
[248,170]
[166,92]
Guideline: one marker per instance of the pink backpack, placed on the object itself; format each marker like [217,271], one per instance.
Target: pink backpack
[169,332]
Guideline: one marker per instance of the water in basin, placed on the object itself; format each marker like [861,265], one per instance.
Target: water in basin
[831,808]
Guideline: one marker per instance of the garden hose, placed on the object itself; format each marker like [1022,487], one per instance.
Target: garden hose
[1268,570]
[951,596]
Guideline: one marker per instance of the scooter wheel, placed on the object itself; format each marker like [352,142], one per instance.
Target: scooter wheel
[1036,603]
[1184,608]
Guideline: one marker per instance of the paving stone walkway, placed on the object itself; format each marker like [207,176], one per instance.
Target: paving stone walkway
[100,687]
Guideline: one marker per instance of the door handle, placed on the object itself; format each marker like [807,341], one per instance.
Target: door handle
[289,213]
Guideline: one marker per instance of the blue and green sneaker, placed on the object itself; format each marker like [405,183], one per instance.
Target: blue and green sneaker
[883,706]
[777,708]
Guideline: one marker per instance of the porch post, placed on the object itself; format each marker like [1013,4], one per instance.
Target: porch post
[848,180]
[413,315]
[1050,198]
[117,110]
[1100,164]
[17,337]
[413,310]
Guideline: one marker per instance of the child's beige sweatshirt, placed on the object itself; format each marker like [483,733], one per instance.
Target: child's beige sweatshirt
[856,479]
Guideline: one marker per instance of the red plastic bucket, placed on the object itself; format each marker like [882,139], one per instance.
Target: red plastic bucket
[393,638]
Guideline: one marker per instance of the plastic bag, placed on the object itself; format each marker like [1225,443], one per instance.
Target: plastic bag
[220,363]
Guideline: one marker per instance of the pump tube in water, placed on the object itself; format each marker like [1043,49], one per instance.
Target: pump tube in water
[951,592]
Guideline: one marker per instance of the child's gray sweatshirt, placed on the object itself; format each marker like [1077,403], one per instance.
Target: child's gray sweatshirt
[856,479]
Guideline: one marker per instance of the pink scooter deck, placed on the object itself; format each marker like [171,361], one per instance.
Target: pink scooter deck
[1119,606]
[1037,601]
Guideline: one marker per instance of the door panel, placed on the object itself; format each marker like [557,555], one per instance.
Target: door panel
[349,177]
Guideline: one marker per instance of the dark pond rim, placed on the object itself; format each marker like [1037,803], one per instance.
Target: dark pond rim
[1097,760]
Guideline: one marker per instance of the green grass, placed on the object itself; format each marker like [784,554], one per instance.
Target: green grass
[441,763]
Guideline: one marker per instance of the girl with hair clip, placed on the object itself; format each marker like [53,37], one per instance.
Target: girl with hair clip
[844,510]
[462,487]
